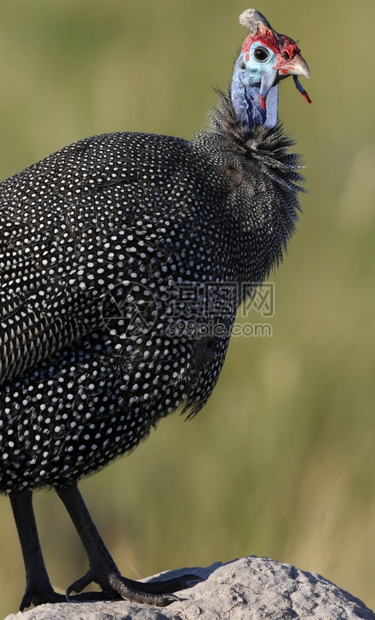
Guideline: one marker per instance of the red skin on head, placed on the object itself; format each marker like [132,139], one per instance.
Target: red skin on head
[283,46]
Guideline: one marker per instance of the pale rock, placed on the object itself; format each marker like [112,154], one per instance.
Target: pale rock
[250,588]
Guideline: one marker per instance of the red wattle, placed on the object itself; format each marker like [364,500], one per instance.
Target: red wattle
[305,95]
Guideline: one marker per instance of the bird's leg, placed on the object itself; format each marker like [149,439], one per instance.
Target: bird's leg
[103,569]
[38,586]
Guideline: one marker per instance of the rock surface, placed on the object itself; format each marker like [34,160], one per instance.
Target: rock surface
[252,588]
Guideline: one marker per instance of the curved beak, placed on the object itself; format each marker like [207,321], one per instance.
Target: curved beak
[295,66]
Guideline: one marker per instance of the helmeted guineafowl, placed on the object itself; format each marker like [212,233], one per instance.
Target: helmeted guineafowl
[106,247]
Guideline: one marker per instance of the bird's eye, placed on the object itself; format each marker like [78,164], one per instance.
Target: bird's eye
[261,54]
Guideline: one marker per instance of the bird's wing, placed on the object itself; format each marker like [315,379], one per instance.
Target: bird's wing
[69,233]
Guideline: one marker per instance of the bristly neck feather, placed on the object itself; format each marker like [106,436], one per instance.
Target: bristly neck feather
[254,158]
[246,101]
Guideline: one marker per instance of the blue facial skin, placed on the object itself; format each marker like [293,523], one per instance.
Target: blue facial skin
[251,79]
[261,60]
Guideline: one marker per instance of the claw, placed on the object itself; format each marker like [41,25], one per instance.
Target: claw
[156,593]
[103,569]
[159,593]
[37,594]
[80,584]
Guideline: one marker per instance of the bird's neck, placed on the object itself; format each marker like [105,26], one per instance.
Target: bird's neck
[246,102]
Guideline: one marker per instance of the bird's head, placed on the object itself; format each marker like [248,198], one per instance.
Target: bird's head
[266,58]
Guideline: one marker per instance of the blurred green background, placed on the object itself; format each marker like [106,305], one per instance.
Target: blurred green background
[281,462]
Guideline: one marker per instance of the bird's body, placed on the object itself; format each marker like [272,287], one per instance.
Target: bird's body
[82,379]
[123,260]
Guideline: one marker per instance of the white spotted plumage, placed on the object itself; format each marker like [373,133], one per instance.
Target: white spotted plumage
[100,235]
